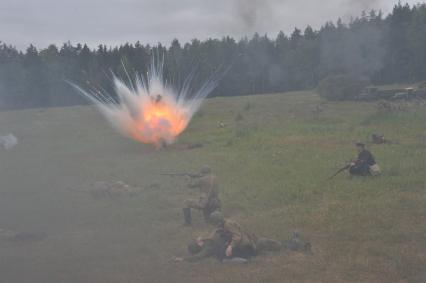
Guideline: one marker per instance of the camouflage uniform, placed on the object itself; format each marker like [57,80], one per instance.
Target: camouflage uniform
[213,246]
[208,201]
[245,244]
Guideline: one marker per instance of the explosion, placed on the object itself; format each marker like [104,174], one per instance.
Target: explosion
[150,111]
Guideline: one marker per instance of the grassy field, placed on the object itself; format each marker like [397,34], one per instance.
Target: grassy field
[272,160]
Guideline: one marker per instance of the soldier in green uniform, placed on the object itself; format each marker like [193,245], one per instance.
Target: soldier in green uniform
[209,201]
[203,247]
[229,241]
[241,242]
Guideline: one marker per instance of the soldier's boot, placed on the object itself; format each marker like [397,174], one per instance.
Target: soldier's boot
[187,216]
[208,213]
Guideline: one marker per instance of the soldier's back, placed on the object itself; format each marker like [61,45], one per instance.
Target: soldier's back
[209,185]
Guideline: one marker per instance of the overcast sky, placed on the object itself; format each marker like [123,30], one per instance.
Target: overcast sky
[113,22]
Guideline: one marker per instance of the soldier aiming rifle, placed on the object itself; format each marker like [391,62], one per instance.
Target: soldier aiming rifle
[364,165]
[208,201]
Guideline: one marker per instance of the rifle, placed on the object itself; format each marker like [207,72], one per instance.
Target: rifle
[181,175]
[346,167]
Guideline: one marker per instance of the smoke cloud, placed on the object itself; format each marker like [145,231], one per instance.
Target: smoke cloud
[252,15]
[359,53]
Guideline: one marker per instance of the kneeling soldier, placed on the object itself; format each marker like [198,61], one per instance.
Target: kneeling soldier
[365,164]
[208,202]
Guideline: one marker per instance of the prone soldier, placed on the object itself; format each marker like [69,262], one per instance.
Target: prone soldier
[231,242]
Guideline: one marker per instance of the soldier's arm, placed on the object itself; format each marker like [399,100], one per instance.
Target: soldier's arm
[358,161]
[235,231]
[194,183]
[203,201]
[207,251]
[212,235]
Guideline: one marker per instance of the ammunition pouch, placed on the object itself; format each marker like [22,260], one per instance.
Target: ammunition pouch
[375,170]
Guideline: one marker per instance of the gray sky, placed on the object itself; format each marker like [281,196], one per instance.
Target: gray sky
[117,21]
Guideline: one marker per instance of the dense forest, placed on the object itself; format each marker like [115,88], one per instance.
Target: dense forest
[381,49]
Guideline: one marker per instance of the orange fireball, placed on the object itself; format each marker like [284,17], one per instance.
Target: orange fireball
[150,111]
[159,121]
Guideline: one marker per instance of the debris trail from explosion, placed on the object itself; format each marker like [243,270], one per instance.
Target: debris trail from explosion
[150,110]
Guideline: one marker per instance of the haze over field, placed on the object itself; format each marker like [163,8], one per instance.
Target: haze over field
[49,21]
[312,138]
[271,159]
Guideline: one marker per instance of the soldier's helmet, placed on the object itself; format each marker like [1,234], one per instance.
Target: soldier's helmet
[216,218]
[205,170]
[194,247]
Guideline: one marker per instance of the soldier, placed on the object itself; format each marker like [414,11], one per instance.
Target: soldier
[203,247]
[208,201]
[297,244]
[242,243]
[378,138]
[365,164]
[229,241]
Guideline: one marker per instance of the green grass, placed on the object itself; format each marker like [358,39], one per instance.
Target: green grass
[272,160]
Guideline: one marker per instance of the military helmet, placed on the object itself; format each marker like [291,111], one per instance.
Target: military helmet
[216,217]
[205,170]
[194,247]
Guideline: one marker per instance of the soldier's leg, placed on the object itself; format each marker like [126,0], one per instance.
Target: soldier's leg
[245,251]
[192,203]
[208,211]
[187,215]
[188,204]
[362,170]
[265,244]
[366,170]
[355,171]
[212,206]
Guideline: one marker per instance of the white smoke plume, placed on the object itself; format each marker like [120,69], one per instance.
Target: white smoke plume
[150,110]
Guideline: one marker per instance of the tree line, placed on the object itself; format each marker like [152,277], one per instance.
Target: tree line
[380,49]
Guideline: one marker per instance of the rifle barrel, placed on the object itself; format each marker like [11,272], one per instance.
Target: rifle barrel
[339,171]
